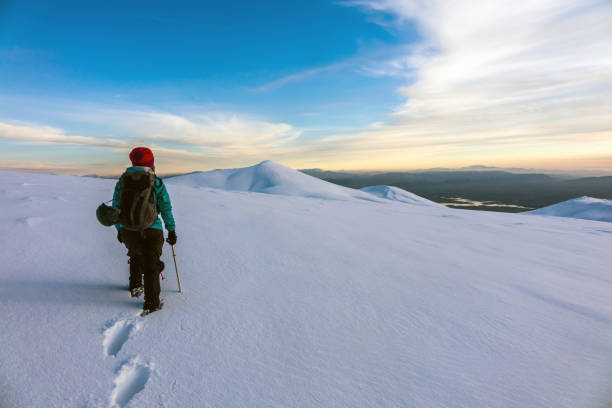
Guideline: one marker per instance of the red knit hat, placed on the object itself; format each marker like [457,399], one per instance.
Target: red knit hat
[142,156]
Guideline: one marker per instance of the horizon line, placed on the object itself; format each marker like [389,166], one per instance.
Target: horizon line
[580,172]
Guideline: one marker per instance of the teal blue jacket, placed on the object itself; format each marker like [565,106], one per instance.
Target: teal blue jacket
[162,200]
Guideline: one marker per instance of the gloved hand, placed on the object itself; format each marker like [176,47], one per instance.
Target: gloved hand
[171,237]
[119,238]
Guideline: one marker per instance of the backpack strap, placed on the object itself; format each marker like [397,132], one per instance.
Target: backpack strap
[156,186]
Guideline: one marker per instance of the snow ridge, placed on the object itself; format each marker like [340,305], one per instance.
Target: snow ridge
[398,194]
[586,208]
[270,177]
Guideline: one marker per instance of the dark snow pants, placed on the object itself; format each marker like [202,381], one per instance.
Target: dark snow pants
[144,250]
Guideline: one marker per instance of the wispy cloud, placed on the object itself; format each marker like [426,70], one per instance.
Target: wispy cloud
[41,167]
[219,133]
[302,75]
[51,135]
[526,76]
[192,135]
[490,81]
[363,63]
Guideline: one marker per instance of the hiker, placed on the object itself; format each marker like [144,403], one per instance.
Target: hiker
[140,196]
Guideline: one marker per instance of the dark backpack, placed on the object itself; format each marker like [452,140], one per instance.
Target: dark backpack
[137,205]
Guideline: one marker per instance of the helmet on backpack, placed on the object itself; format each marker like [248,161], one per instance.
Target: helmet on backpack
[107,215]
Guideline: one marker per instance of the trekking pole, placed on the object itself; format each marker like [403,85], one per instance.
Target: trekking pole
[178,277]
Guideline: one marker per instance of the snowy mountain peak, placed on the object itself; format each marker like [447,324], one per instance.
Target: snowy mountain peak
[271,163]
[586,208]
[271,178]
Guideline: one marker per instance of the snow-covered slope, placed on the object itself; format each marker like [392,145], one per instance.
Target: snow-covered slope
[300,302]
[271,178]
[586,208]
[397,194]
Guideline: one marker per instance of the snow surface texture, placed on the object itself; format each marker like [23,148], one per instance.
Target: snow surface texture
[296,301]
[586,208]
[397,194]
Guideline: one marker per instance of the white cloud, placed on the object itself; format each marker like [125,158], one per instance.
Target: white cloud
[219,133]
[50,135]
[526,75]
[195,134]
[500,53]
[41,167]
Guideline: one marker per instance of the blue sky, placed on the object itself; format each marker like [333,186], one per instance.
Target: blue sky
[370,84]
[227,55]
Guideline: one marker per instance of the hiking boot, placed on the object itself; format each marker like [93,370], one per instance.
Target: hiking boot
[148,309]
[137,291]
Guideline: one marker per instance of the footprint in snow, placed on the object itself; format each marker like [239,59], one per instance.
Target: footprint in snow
[117,334]
[130,380]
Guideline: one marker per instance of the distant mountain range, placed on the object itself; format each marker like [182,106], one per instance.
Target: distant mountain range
[482,188]
[473,187]
[567,174]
